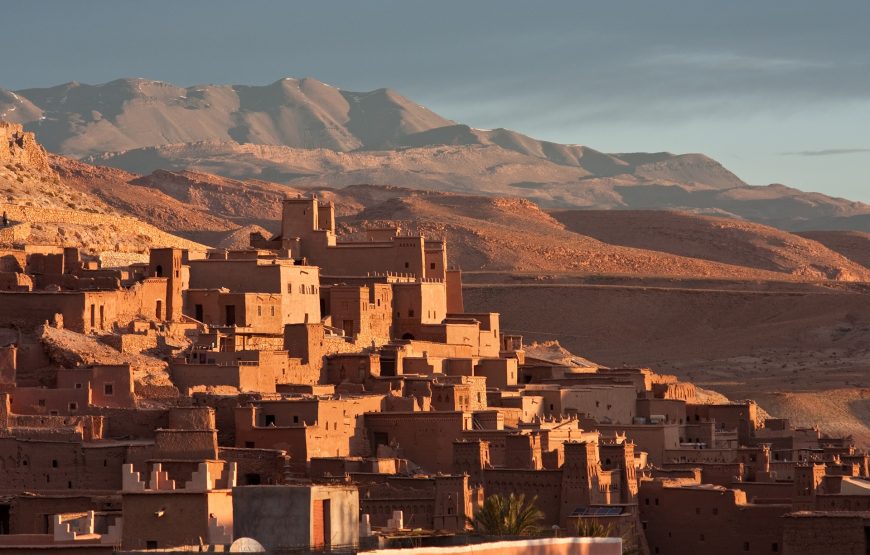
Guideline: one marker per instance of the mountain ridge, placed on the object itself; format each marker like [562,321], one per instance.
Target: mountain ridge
[304,133]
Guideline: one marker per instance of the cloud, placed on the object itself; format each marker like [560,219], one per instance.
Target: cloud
[827,152]
[731,61]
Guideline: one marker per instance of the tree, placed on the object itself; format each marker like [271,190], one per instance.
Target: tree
[507,517]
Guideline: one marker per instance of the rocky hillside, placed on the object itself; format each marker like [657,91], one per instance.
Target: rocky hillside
[484,233]
[725,240]
[308,134]
[43,208]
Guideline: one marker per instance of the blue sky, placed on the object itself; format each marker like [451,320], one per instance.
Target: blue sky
[777,91]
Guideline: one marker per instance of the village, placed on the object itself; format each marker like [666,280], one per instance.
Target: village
[314,394]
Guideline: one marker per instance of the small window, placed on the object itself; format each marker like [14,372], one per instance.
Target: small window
[410,313]
[73,406]
[270,420]
[432,266]
[249,445]
[407,264]
[151,544]
[259,310]
[108,389]
[78,386]
[273,310]
[774,547]
[296,419]
[41,402]
[290,288]
[54,463]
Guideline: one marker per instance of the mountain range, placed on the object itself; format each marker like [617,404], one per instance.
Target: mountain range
[304,133]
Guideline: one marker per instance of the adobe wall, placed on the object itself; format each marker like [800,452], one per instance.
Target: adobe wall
[654,439]
[257,466]
[707,520]
[45,465]
[28,512]
[426,438]
[147,511]
[812,533]
[545,486]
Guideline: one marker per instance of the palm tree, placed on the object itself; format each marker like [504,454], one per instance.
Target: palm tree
[587,528]
[507,517]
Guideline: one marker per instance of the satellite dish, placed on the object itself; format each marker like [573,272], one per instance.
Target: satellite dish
[247,545]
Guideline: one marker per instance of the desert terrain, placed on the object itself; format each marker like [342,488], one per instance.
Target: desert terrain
[659,260]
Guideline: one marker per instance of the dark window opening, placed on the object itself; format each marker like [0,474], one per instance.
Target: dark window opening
[270,420]
[197,312]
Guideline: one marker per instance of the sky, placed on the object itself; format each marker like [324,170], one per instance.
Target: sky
[777,91]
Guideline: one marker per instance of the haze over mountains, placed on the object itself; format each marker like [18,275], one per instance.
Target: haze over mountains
[308,134]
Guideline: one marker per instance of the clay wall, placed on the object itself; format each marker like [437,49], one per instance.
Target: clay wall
[46,465]
[426,438]
[654,439]
[147,510]
[545,486]
[110,385]
[500,373]
[708,520]
[257,466]
[820,533]
[416,304]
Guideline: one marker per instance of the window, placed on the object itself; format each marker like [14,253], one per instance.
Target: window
[407,265]
[290,288]
[295,419]
[41,402]
[108,389]
[78,386]
[410,313]
[432,266]
[302,289]
[270,420]
[273,311]
[151,544]
[73,406]
[259,310]
[774,547]
[54,463]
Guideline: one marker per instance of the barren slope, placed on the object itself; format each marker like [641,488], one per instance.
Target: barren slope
[725,240]
[854,245]
[43,209]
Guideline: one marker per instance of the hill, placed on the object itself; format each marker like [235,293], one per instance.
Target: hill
[723,240]
[305,133]
[44,209]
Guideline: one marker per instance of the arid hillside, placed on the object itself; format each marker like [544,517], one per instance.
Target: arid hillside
[791,347]
[854,245]
[305,133]
[44,209]
[484,232]
[690,182]
[725,240]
